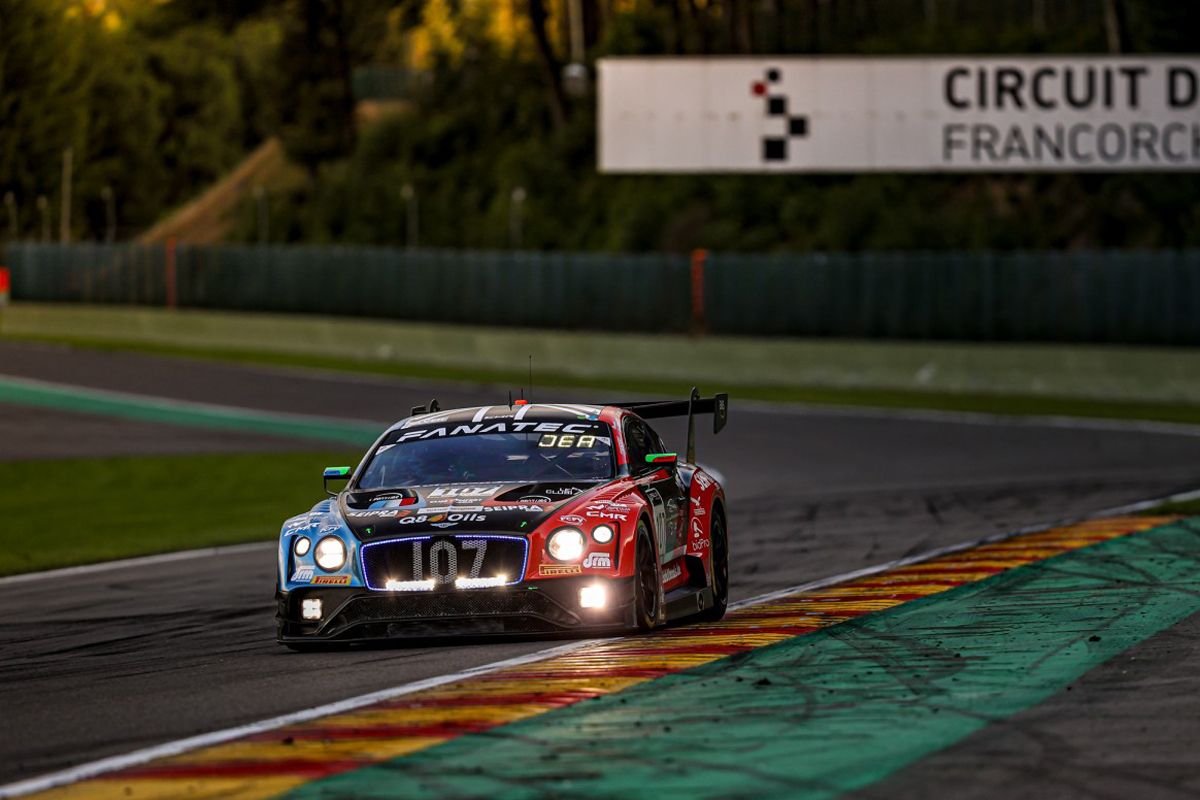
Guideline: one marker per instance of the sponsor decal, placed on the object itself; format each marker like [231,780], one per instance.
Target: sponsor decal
[568,440]
[697,529]
[530,509]
[559,569]
[370,512]
[671,573]
[598,561]
[702,480]
[441,519]
[302,575]
[328,529]
[536,499]
[331,580]
[698,507]
[464,491]
[606,509]
[509,426]
[564,491]
[573,519]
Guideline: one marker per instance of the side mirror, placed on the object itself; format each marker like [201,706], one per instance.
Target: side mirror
[335,474]
[662,459]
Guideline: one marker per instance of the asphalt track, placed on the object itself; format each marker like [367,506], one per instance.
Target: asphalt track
[117,660]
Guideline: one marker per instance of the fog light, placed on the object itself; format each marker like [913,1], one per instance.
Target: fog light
[311,609]
[302,546]
[593,596]
[602,534]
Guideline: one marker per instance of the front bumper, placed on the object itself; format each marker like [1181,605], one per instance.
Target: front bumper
[535,607]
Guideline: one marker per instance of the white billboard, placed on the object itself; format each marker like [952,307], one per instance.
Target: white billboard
[970,114]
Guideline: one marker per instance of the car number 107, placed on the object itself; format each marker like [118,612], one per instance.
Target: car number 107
[450,560]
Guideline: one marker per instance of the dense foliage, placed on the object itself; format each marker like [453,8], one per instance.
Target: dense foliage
[163,102]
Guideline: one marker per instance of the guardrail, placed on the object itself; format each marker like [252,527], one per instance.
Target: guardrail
[1125,297]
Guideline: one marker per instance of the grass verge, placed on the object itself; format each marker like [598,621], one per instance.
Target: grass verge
[1187,508]
[979,402]
[75,511]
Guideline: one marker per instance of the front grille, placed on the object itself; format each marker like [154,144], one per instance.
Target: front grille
[432,606]
[444,559]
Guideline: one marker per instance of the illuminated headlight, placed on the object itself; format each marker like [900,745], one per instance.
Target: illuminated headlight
[602,534]
[330,553]
[565,545]
[311,609]
[593,596]
[303,543]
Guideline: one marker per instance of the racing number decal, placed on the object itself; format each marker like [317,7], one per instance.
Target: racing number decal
[480,547]
[660,518]
[435,560]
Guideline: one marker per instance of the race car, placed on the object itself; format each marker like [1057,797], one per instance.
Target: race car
[518,518]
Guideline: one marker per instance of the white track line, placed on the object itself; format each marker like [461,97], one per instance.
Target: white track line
[929,555]
[115,763]
[141,561]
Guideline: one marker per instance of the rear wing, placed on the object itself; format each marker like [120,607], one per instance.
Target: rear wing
[717,405]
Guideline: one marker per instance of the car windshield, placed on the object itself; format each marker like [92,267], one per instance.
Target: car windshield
[538,451]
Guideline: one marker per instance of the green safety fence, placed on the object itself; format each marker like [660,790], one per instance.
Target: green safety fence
[553,289]
[1115,296]
[1119,296]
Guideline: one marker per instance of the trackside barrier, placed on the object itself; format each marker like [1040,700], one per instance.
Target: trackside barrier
[1125,297]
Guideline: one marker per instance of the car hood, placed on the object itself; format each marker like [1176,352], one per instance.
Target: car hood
[459,507]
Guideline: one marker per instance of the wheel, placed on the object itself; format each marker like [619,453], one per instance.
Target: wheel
[720,557]
[647,589]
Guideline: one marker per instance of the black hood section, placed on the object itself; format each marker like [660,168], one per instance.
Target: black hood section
[555,492]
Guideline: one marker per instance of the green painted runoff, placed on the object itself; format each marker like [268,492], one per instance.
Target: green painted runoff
[826,713]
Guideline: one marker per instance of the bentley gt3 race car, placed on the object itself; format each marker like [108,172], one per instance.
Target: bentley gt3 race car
[522,518]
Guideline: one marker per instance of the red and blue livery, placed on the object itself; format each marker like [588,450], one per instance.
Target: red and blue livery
[519,518]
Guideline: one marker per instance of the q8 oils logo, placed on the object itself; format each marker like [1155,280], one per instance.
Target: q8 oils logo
[777,144]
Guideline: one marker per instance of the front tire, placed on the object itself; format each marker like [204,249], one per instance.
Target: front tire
[720,584]
[647,587]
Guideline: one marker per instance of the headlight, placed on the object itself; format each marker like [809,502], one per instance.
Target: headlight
[566,545]
[602,534]
[301,546]
[330,553]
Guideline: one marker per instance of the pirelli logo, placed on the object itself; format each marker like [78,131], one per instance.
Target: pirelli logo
[559,569]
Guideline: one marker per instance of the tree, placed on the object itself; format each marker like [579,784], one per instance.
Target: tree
[551,66]
[323,41]
[44,84]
